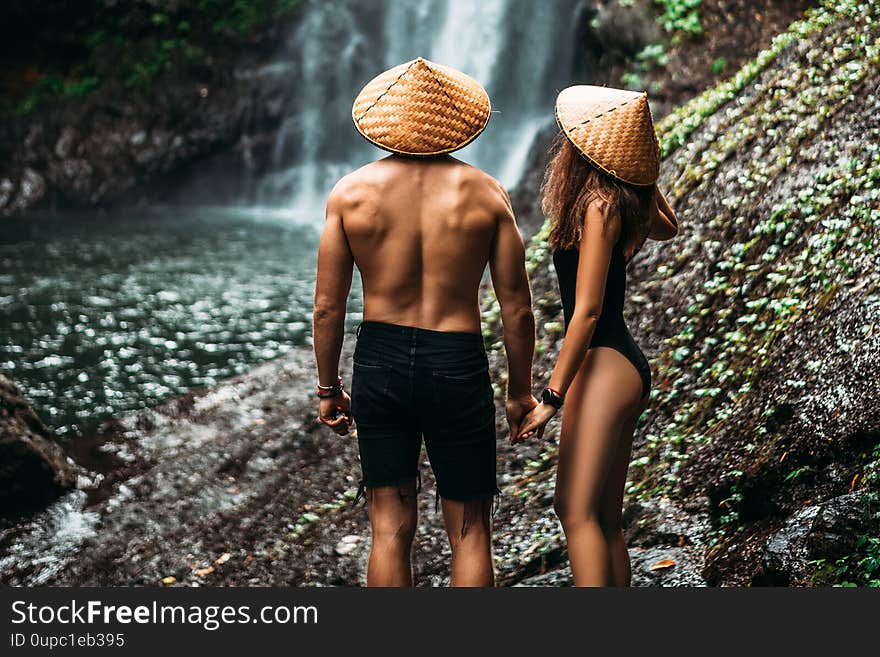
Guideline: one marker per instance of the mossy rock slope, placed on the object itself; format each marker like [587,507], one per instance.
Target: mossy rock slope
[762,318]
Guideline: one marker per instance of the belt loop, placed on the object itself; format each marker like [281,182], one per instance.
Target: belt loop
[357,332]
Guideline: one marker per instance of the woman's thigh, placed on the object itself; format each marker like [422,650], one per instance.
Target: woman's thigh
[607,393]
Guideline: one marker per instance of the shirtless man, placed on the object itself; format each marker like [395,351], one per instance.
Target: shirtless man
[420,231]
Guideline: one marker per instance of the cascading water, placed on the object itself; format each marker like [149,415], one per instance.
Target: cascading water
[520,50]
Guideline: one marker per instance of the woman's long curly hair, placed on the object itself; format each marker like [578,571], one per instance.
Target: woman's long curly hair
[571,184]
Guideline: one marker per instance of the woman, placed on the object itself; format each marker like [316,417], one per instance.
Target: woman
[600,191]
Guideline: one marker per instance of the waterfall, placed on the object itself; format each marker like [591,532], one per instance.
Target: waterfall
[520,50]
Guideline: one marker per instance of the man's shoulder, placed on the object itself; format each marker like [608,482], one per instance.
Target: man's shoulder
[353,186]
[484,187]
[477,176]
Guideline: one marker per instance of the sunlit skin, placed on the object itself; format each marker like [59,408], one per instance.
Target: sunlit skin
[421,232]
[603,401]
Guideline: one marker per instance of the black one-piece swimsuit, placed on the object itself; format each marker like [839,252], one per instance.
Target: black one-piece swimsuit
[611,330]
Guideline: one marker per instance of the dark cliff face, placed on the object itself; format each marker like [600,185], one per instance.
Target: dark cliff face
[102,103]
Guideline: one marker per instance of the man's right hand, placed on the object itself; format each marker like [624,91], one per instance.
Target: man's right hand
[516,409]
[335,412]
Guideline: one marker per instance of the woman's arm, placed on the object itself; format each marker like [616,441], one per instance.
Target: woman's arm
[597,241]
[600,234]
[664,224]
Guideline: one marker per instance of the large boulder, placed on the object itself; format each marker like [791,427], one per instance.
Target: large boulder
[825,531]
[33,468]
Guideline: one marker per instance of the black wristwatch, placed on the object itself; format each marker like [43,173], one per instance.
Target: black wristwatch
[553,398]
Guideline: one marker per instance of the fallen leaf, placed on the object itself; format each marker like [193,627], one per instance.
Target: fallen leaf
[169,580]
[855,480]
[223,558]
[663,564]
[201,572]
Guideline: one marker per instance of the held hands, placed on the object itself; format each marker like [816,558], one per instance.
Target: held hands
[335,412]
[535,422]
[516,409]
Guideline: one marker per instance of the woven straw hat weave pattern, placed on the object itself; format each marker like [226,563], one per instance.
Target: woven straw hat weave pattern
[612,128]
[421,108]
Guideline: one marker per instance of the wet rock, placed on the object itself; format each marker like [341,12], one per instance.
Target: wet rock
[660,521]
[33,469]
[561,577]
[348,544]
[75,174]
[621,30]
[821,531]
[7,189]
[31,191]
[655,566]
[64,147]
[666,566]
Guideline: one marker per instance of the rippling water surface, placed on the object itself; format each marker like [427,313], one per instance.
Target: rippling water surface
[101,314]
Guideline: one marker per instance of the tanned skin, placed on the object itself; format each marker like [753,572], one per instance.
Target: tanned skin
[604,399]
[421,232]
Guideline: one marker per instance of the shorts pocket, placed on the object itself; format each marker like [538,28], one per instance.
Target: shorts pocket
[369,392]
[463,401]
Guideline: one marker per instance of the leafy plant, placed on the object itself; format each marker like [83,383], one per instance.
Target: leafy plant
[681,16]
[718,66]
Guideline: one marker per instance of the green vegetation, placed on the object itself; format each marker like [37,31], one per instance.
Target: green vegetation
[680,19]
[51,85]
[862,568]
[718,66]
[136,42]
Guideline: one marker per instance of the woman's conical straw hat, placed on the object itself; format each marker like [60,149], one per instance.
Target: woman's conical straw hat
[613,129]
[421,108]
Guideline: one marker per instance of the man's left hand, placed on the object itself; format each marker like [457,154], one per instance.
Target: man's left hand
[335,412]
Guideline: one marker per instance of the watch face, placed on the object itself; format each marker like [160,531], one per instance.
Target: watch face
[549,397]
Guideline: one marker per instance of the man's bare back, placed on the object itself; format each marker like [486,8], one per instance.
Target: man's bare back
[421,232]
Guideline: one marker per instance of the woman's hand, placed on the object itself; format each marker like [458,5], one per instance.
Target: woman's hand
[536,421]
[516,410]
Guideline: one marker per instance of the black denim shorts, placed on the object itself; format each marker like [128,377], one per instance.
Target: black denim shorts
[411,383]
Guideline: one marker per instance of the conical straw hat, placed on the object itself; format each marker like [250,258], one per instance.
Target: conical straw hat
[421,108]
[613,129]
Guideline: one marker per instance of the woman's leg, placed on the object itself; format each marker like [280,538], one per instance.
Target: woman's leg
[393,517]
[611,510]
[604,402]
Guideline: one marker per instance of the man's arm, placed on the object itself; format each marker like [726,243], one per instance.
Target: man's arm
[507,265]
[335,266]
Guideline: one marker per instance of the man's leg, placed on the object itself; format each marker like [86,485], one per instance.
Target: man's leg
[469,527]
[393,517]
